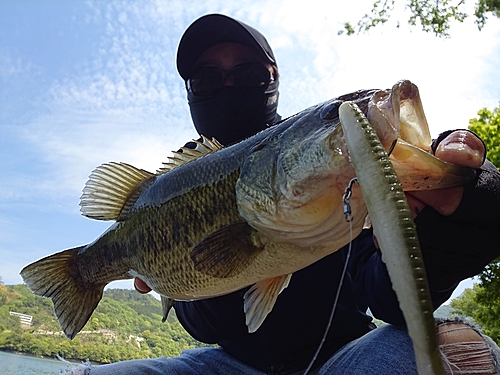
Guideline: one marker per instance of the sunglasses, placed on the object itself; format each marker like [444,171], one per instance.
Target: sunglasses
[210,80]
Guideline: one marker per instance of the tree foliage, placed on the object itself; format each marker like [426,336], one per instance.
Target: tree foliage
[482,302]
[433,16]
[489,296]
[483,308]
[125,325]
[487,126]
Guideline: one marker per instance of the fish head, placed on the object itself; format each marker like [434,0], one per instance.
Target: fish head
[293,181]
[398,117]
[398,113]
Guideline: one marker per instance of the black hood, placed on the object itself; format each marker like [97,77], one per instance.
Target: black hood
[234,113]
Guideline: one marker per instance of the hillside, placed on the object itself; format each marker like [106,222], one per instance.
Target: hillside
[443,312]
[125,325]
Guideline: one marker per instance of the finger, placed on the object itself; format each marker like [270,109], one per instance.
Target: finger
[460,147]
[141,286]
[463,148]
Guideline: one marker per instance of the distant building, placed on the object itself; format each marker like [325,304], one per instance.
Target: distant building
[137,340]
[25,319]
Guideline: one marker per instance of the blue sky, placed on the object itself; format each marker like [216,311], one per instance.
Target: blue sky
[87,82]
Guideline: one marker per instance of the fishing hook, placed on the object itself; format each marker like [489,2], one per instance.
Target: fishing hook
[348,191]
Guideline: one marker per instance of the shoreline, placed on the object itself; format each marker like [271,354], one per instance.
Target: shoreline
[73,361]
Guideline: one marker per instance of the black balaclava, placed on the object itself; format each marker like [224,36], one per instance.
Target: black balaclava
[234,113]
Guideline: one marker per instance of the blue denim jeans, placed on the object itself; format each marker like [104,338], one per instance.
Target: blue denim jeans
[385,350]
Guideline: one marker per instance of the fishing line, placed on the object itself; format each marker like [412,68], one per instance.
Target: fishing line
[348,218]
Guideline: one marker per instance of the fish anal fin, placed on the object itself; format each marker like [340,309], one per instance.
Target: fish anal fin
[260,299]
[56,277]
[166,305]
[228,251]
[111,190]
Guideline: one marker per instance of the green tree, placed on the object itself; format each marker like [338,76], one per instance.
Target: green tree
[482,302]
[125,325]
[487,126]
[489,296]
[466,303]
[484,311]
[433,16]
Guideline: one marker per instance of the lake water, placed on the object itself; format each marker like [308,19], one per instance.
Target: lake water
[15,364]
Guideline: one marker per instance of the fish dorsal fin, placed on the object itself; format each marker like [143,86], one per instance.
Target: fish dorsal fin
[186,154]
[259,300]
[110,189]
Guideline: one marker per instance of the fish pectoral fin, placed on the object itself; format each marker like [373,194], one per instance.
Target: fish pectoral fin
[57,277]
[111,190]
[260,299]
[228,251]
[166,305]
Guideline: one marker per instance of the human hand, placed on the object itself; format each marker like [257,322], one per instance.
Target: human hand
[462,148]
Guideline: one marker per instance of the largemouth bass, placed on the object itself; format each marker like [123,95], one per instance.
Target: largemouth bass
[249,214]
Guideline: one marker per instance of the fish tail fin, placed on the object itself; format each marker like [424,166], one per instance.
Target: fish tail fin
[57,277]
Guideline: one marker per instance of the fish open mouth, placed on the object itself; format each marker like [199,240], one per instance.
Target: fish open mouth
[398,115]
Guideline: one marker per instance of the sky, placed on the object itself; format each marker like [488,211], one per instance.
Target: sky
[88,82]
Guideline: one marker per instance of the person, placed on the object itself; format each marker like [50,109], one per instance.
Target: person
[232,81]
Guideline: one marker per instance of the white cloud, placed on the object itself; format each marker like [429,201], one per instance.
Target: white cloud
[75,143]
[317,64]
[12,66]
[125,104]
[128,103]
